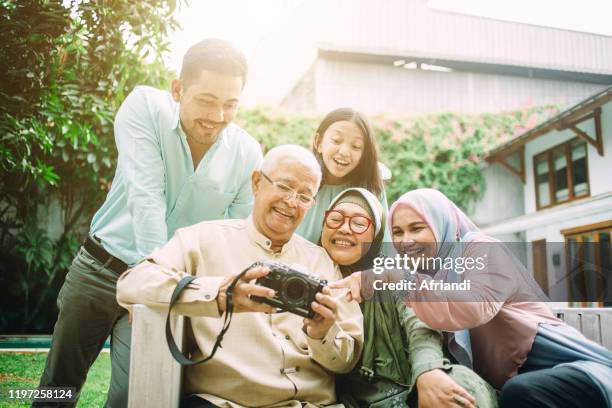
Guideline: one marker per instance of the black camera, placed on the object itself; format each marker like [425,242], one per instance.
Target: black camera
[295,290]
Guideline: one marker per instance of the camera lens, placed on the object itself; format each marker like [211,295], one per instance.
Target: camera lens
[295,290]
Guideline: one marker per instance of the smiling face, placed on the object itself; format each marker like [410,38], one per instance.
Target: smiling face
[341,148]
[411,234]
[274,215]
[207,104]
[342,244]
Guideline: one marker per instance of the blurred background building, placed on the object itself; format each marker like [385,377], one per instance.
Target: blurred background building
[405,57]
[550,187]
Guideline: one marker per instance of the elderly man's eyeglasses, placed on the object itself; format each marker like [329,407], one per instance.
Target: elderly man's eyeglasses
[303,200]
[357,223]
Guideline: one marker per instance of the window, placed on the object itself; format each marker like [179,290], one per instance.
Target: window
[561,174]
[589,262]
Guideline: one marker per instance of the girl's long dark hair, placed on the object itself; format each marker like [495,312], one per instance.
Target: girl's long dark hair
[366,174]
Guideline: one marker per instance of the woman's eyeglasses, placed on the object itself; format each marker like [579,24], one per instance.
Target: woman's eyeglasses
[358,224]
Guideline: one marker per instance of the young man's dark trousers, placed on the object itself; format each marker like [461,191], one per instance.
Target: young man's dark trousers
[88,314]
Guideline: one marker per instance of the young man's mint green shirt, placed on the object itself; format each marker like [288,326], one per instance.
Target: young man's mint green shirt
[156,189]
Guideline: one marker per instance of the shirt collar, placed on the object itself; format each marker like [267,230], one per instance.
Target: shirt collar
[264,242]
[176,118]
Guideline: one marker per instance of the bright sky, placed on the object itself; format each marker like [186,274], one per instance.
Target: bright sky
[591,16]
[243,22]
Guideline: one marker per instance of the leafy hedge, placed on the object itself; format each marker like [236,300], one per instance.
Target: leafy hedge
[443,151]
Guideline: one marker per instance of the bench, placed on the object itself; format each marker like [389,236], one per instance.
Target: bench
[594,323]
[155,378]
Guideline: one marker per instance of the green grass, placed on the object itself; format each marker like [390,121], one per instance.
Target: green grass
[23,370]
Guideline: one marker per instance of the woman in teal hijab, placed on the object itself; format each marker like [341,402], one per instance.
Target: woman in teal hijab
[403,363]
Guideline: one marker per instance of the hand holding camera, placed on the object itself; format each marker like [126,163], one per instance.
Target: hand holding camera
[245,290]
[302,294]
[295,290]
[278,286]
[325,308]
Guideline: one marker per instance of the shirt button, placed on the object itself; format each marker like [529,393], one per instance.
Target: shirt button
[287,337]
[268,243]
[207,297]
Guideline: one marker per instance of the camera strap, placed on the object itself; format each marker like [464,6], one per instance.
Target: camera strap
[227,319]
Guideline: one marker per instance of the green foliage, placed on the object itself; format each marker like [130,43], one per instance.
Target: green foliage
[442,151]
[40,260]
[68,66]
[272,128]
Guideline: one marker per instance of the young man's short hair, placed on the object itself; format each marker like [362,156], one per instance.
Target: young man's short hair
[213,55]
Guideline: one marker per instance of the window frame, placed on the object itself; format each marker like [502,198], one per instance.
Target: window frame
[570,182]
[578,234]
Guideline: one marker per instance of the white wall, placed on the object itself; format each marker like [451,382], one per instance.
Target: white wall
[376,88]
[503,197]
[600,168]
[571,215]
[578,213]
[548,223]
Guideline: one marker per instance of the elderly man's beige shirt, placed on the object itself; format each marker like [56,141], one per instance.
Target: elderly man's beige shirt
[265,359]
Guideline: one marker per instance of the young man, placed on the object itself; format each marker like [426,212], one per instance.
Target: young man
[181,161]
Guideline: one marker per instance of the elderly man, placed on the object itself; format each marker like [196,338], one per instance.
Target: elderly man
[266,359]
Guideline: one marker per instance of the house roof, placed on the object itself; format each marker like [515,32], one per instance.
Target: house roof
[559,121]
[388,57]
[411,28]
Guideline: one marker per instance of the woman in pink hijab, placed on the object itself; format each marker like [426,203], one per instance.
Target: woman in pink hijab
[514,341]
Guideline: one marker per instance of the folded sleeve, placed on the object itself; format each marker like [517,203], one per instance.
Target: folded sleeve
[153,280]
[424,343]
[340,349]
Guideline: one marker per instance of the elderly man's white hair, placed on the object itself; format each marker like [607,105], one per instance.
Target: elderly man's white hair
[294,153]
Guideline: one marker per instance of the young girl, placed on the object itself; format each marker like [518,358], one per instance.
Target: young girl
[403,359]
[345,147]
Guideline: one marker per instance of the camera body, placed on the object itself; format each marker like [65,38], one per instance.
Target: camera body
[295,290]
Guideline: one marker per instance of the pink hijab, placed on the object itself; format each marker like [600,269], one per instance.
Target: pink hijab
[448,223]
